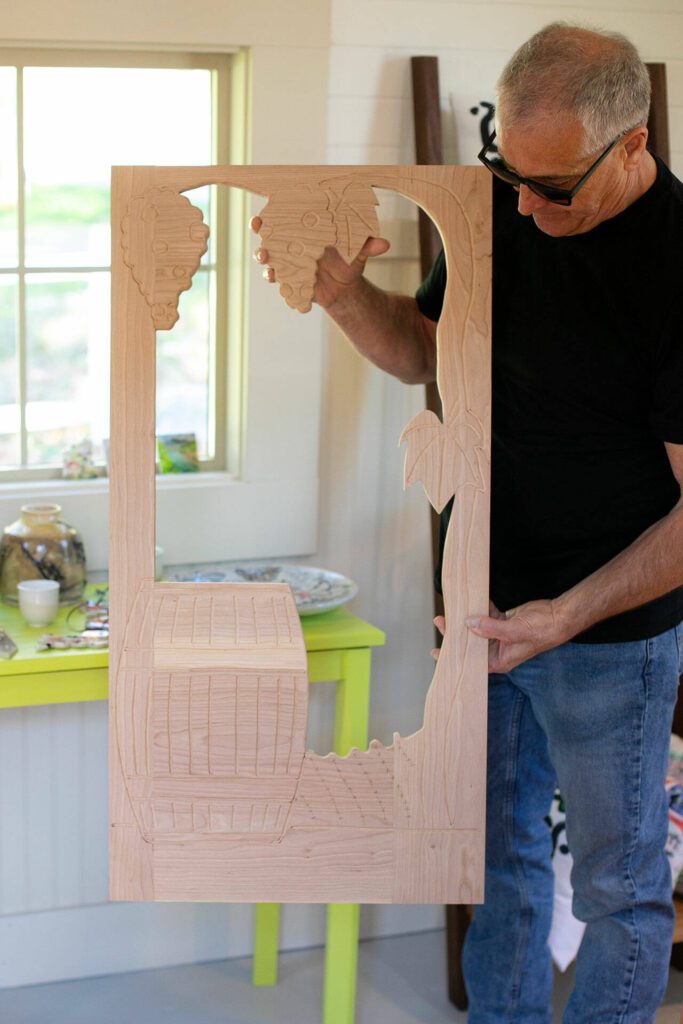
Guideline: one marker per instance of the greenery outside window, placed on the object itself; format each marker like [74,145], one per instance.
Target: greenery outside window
[65,118]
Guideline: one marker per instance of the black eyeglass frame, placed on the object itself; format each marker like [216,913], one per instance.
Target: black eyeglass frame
[553,194]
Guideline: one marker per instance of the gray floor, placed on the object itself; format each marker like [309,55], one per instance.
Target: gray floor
[400,981]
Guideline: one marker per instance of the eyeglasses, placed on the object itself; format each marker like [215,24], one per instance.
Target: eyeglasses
[561,196]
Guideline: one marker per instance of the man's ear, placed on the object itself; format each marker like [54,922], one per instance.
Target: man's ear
[635,145]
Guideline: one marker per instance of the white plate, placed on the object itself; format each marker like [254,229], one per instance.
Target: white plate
[315,590]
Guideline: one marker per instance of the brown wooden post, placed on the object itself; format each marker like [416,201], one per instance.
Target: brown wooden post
[658,121]
[428,146]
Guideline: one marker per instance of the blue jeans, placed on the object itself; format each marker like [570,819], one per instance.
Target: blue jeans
[596,719]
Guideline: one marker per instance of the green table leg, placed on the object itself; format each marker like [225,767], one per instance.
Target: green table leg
[341,961]
[341,950]
[353,699]
[266,943]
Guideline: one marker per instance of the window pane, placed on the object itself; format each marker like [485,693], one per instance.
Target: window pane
[67,328]
[205,199]
[184,367]
[81,121]
[10,454]
[9,255]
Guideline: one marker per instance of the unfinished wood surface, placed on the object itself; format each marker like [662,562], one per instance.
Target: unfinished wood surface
[213,794]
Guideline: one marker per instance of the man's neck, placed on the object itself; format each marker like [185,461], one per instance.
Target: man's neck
[643,181]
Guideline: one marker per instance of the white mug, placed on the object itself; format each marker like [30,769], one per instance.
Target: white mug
[39,601]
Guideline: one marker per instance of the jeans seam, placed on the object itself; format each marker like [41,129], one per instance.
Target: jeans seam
[629,980]
[515,860]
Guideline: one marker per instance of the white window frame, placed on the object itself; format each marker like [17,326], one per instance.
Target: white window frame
[266,502]
[219,65]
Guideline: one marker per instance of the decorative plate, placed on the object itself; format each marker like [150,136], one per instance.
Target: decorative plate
[315,590]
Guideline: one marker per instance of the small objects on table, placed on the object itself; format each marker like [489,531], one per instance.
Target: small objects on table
[38,601]
[94,632]
[96,639]
[95,611]
[8,648]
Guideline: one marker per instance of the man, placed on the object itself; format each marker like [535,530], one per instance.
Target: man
[587,519]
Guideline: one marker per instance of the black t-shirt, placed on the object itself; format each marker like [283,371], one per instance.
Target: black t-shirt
[587,385]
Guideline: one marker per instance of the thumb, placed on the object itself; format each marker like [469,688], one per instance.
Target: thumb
[373,247]
[490,628]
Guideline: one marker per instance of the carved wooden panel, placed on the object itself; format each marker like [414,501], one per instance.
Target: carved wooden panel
[213,794]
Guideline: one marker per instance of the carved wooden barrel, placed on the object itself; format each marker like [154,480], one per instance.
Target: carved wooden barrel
[218,734]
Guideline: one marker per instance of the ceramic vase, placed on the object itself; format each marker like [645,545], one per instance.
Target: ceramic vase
[39,545]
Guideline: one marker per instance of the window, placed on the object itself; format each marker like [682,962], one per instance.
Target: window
[65,118]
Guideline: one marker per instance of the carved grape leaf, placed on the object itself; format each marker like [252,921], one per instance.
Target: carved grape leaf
[443,458]
[164,238]
[353,207]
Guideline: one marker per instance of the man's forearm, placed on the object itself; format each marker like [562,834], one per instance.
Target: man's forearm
[389,330]
[648,568]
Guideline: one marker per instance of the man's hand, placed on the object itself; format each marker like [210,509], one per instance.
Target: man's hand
[335,275]
[521,633]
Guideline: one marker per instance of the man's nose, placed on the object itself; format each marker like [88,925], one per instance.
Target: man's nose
[529,202]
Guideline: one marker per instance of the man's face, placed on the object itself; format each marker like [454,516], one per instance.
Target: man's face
[551,151]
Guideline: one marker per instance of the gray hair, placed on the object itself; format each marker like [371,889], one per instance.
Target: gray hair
[596,77]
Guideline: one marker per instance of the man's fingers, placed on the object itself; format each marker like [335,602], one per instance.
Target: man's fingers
[493,629]
[269,275]
[255,224]
[440,624]
[261,255]
[436,651]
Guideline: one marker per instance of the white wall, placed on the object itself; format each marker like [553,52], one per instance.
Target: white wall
[53,823]
[53,799]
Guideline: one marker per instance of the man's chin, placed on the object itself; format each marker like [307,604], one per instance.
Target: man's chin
[555,224]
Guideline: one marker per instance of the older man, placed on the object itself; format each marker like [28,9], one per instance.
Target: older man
[587,518]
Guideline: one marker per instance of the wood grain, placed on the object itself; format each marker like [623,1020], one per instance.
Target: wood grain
[213,794]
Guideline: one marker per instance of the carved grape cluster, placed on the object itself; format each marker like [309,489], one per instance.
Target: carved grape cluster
[299,222]
[164,239]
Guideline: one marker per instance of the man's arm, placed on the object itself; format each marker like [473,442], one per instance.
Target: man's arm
[389,330]
[646,569]
[386,328]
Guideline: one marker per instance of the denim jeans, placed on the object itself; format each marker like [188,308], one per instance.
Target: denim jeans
[596,719]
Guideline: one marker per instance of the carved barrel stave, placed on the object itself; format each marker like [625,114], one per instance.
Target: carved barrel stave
[211,751]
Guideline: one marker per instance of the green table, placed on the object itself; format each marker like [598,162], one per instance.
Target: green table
[339,647]
[49,677]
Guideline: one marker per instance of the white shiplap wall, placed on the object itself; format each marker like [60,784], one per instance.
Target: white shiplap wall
[56,922]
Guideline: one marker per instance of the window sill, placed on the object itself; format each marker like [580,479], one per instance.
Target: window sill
[201,517]
[37,490]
